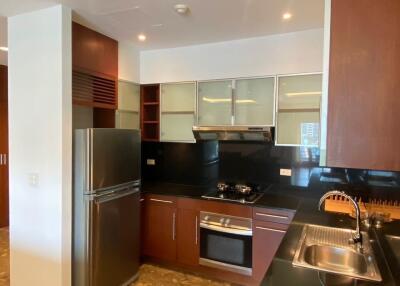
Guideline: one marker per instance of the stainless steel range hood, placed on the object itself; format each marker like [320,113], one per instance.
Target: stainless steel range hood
[233,133]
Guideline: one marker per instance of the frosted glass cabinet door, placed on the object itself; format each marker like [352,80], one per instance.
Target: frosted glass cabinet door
[215,102]
[299,109]
[178,106]
[127,120]
[127,115]
[255,101]
[128,96]
[178,97]
[300,91]
[298,128]
[177,127]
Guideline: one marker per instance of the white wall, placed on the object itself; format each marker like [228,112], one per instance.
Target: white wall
[40,143]
[296,52]
[128,62]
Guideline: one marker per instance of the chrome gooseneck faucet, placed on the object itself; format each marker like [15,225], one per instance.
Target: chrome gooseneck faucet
[358,237]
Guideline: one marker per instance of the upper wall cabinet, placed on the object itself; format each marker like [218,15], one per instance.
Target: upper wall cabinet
[94,52]
[215,103]
[298,113]
[95,69]
[246,102]
[178,106]
[254,101]
[128,113]
[364,86]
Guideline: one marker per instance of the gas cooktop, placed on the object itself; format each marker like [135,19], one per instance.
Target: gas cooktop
[241,193]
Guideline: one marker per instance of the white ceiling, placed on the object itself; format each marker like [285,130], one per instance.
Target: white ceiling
[208,20]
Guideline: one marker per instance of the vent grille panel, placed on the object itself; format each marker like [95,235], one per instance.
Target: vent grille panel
[92,90]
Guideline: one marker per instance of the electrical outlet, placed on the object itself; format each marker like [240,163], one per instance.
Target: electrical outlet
[286,172]
[151,162]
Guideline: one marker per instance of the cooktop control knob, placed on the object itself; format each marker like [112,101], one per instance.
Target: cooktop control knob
[221,221]
[206,217]
[227,222]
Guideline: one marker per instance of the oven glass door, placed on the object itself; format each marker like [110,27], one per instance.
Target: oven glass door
[232,249]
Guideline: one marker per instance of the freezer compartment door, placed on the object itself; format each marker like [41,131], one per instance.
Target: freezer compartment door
[115,157]
[115,230]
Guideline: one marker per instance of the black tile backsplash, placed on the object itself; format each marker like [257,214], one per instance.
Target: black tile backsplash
[181,163]
[207,162]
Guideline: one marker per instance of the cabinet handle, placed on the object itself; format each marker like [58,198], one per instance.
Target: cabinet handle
[161,201]
[275,216]
[5,159]
[141,200]
[173,226]
[197,239]
[271,229]
[1,159]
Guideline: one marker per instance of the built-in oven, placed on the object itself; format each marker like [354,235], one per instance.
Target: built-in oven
[226,242]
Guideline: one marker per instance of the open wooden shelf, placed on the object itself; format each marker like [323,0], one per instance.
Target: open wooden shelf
[150,112]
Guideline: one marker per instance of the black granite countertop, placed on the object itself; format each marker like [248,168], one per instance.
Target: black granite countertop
[282,272]
[270,199]
[176,190]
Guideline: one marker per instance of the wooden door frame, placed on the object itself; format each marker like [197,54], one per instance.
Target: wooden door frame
[4,191]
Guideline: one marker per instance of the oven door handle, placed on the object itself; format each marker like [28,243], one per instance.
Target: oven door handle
[243,232]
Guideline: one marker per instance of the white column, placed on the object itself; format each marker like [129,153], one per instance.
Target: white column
[40,106]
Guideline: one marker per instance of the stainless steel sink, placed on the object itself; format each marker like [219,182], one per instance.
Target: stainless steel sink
[394,242]
[328,249]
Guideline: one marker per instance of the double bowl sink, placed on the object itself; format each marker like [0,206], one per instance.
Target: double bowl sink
[328,249]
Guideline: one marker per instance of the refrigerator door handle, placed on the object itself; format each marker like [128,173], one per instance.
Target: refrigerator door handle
[115,195]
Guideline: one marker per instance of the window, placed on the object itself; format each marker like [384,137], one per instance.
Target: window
[310,134]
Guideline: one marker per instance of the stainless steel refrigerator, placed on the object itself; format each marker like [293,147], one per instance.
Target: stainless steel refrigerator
[106,223]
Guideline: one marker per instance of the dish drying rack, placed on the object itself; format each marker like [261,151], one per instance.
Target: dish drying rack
[341,205]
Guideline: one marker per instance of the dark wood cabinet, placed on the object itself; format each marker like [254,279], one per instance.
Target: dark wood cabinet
[171,233]
[95,74]
[159,227]
[4,204]
[188,249]
[170,229]
[364,85]
[267,237]
[269,228]
[94,52]
[273,215]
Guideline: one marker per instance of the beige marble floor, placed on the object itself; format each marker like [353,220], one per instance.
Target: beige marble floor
[149,275]
[4,257]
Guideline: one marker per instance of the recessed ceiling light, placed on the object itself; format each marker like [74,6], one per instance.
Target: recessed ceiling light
[157,25]
[287,16]
[181,8]
[141,37]
[4,49]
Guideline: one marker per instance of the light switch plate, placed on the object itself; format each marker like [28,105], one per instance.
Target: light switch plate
[286,172]
[33,180]
[151,162]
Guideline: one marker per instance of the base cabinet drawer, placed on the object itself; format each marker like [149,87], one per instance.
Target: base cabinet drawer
[273,215]
[267,237]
